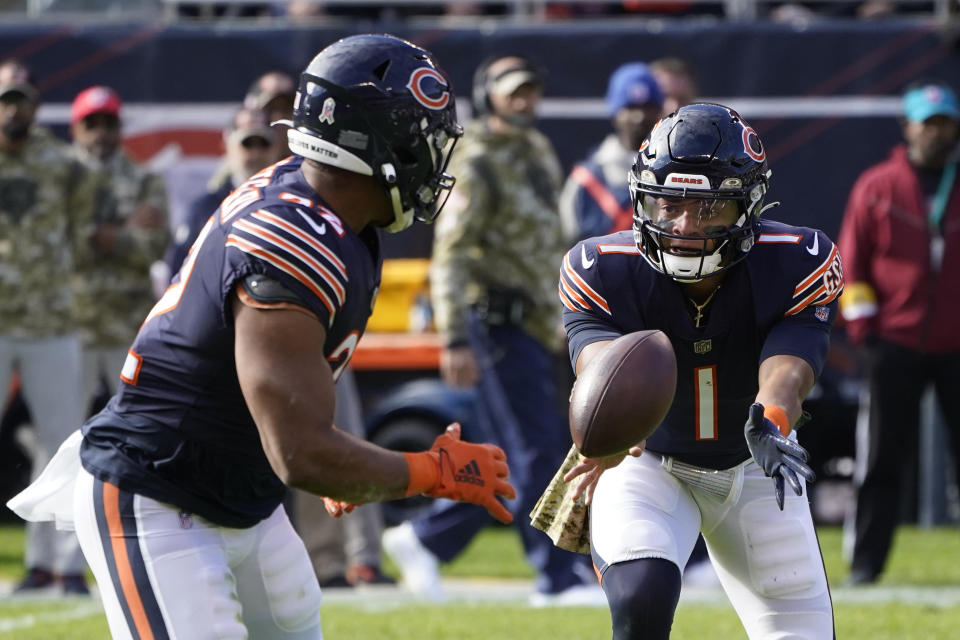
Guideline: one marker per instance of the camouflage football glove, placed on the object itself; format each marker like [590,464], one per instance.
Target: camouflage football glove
[462,471]
[779,457]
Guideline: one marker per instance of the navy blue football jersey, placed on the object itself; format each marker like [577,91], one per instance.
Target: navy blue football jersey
[178,430]
[781,299]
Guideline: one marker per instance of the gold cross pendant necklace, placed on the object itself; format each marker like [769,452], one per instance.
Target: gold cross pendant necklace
[700,307]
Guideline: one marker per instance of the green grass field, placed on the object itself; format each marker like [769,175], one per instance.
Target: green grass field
[924,563]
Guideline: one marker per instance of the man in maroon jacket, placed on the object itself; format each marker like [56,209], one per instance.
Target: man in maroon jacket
[900,244]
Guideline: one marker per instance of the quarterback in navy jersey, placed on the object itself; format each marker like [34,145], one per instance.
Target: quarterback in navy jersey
[227,393]
[747,305]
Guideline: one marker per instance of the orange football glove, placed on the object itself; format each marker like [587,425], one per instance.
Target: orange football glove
[337,508]
[462,471]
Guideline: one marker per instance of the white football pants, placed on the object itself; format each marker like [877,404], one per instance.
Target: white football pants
[167,574]
[768,561]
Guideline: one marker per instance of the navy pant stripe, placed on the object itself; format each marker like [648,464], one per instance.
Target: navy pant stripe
[117,522]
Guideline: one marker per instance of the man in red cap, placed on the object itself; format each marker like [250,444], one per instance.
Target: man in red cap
[129,232]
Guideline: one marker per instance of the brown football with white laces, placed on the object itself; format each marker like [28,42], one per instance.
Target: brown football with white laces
[623,394]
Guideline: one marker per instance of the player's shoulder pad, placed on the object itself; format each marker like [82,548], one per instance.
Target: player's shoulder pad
[269,291]
[592,267]
[805,258]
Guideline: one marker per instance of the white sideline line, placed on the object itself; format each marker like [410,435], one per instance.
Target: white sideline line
[85,610]
[469,591]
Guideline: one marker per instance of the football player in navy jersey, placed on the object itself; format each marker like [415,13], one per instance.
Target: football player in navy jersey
[228,389]
[748,305]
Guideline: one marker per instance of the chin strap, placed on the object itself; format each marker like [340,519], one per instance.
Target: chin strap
[402,218]
[767,207]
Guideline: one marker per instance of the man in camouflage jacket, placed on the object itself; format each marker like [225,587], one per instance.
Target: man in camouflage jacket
[130,232]
[46,205]
[496,253]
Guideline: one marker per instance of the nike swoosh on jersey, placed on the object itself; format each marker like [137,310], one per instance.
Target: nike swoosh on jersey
[583,258]
[575,292]
[319,228]
[814,249]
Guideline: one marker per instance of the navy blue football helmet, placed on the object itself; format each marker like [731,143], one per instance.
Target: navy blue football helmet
[380,106]
[705,152]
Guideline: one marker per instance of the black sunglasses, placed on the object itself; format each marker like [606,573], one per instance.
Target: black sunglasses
[101,121]
[255,142]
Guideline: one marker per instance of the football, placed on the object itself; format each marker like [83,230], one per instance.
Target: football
[623,394]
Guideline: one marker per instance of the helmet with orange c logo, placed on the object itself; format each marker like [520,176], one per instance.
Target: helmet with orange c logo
[380,106]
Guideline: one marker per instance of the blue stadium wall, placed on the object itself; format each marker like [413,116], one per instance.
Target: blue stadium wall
[822,97]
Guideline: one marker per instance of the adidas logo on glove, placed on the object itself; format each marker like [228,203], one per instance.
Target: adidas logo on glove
[469,473]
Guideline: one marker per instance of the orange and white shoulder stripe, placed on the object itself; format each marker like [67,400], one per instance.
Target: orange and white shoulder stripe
[294,251]
[575,293]
[266,237]
[570,298]
[822,286]
[285,266]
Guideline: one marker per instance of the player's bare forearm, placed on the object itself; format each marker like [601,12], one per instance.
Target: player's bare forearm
[347,468]
[590,352]
[289,390]
[785,381]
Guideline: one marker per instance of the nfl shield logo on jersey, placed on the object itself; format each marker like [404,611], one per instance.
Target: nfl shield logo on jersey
[822,313]
[702,346]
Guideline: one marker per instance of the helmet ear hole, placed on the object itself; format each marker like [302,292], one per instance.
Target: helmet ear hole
[404,156]
[381,70]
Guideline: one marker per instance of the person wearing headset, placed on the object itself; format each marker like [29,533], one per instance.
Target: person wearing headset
[493,288]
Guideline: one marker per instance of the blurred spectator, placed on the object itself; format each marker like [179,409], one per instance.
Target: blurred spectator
[273,93]
[250,145]
[677,81]
[595,200]
[497,248]
[900,243]
[46,211]
[271,96]
[113,288]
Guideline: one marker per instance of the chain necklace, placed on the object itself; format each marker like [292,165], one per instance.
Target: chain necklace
[700,307]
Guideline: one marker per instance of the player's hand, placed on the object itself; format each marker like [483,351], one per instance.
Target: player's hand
[471,472]
[592,468]
[147,217]
[458,367]
[337,508]
[778,456]
[104,237]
